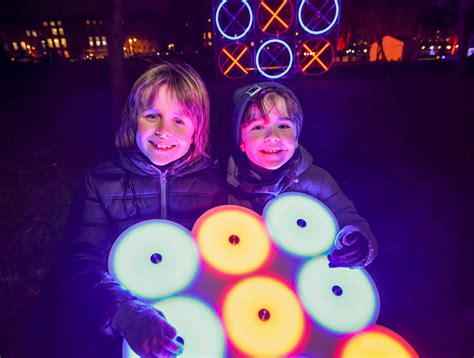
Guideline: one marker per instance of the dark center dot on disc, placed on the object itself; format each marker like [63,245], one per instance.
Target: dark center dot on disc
[264,314]
[301,223]
[156,258]
[337,290]
[234,239]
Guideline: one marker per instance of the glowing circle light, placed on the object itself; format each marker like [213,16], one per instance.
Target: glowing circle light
[300,224]
[376,341]
[274,58]
[145,257]
[318,16]
[342,300]
[232,239]
[196,323]
[263,317]
[229,18]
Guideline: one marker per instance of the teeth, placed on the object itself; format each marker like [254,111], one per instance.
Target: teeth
[162,146]
[272,150]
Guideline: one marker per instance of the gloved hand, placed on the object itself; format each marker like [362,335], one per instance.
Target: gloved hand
[351,250]
[146,330]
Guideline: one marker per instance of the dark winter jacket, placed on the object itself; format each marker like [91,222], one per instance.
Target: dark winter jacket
[251,189]
[112,197]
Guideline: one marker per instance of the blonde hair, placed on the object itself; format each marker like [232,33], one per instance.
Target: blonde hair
[190,92]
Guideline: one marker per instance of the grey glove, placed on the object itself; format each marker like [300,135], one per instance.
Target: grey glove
[352,250]
[146,330]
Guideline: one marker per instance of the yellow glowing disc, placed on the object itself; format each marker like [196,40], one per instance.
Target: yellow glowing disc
[377,341]
[263,317]
[232,239]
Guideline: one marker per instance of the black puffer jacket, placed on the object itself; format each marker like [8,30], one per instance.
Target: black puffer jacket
[249,189]
[112,197]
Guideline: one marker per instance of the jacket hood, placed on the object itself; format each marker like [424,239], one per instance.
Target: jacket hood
[241,99]
[247,180]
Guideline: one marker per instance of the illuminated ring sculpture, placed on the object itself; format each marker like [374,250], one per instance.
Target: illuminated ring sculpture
[144,259]
[341,300]
[300,224]
[272,20]
[275,63]
[196,323]
[232,239]
[233,19]
[263,317]
[315,57]
[235,60]
[316,29]
[375,341]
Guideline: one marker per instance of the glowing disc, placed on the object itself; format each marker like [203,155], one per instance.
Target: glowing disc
[154,259]
[376,341]
[232,239]
[196,323]
[342,300]
[263,317]
[300,224]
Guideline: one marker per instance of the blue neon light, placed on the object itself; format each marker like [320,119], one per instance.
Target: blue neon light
[154,259]
[342,300]
[303,25]
[246,30]
[257,59]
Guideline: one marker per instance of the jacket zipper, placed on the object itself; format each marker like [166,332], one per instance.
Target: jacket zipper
[163,182]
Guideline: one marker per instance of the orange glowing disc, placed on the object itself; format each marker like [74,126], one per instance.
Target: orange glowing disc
[232,239]
[263,317]
[376,341]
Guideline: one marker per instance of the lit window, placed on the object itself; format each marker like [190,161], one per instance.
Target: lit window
[94,22]
[23,45]
[15,46]
[88,22]
[45,23]
[204,36]
[59,23]
[61,31]
[91,41]
[66,53]
[54,31]
[209,35]
[104,41]
[34,33]
[97,41]
[50,43]
[63,42]
[171,46]
[28,33]
[43,43]
[100,22]
[56,43]
[52,23]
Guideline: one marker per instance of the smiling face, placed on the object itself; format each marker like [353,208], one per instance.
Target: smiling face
[269,140]
[164,132]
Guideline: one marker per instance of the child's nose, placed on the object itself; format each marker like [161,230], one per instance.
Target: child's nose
[272,135]
[162,129]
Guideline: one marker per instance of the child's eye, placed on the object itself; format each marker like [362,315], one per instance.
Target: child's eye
[256,127]
[284,126]
[179,121]
[152,116]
